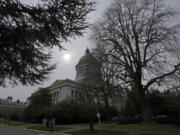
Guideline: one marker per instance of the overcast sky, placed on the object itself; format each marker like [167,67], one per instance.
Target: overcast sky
[76,48]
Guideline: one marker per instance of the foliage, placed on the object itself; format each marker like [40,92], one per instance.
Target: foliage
[169,111]
[108,113]
[17,115]
[90,99]
[129,119]
[132,106]
[27,32]
[164,107]
[68,112]
[40,104]
[155,100]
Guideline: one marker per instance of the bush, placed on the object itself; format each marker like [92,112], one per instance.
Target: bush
[163,119]
[69,112]
[17,115]
[166,104]
[108,113]
[129,119]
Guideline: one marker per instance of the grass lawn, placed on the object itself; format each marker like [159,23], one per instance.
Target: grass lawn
[149,134]
[12,123]
[155,127]
[87,132]
[44,128]
[84,124]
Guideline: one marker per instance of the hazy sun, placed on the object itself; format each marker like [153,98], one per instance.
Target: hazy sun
[67,57]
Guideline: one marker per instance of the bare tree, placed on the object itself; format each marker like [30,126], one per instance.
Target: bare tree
[108,84]
[141,40]
[88,102]
[89,95]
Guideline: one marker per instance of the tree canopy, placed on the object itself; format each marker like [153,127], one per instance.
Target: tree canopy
[28,31]
[40,104]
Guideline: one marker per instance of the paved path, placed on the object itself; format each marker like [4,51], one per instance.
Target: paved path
[12,130]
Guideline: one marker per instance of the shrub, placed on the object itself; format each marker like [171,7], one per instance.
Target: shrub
[68,112]
[129,119]
[163,119]
[107,113]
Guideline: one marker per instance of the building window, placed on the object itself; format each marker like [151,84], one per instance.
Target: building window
[76,93]
[57,97]
[72,93]
[54,97]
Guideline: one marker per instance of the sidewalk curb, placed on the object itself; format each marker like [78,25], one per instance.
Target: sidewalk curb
[40,131]
[11,125]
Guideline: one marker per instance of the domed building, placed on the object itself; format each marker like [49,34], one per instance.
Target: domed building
[87,69]
[88,73]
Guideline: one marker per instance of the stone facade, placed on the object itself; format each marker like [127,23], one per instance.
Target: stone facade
[63,90]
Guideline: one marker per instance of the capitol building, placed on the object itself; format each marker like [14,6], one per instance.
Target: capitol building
[87,72]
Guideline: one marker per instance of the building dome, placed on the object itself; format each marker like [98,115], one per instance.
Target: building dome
[87,69]
[87,59]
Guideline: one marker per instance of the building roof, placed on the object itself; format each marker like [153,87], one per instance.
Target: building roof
[56,82]
[68,82]
[88,58]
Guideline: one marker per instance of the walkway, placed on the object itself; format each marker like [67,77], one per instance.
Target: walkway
[8,130]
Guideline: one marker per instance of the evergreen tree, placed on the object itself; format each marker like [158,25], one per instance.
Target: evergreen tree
[40,105]
[27,32]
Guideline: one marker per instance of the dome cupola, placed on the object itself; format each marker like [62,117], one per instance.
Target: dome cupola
[87,69]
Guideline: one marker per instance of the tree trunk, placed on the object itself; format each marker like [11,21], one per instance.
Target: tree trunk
[146,111]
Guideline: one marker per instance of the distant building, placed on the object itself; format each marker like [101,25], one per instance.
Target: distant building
[8,105]
[87,72]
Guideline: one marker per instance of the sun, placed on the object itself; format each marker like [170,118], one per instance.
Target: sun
[67,57]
